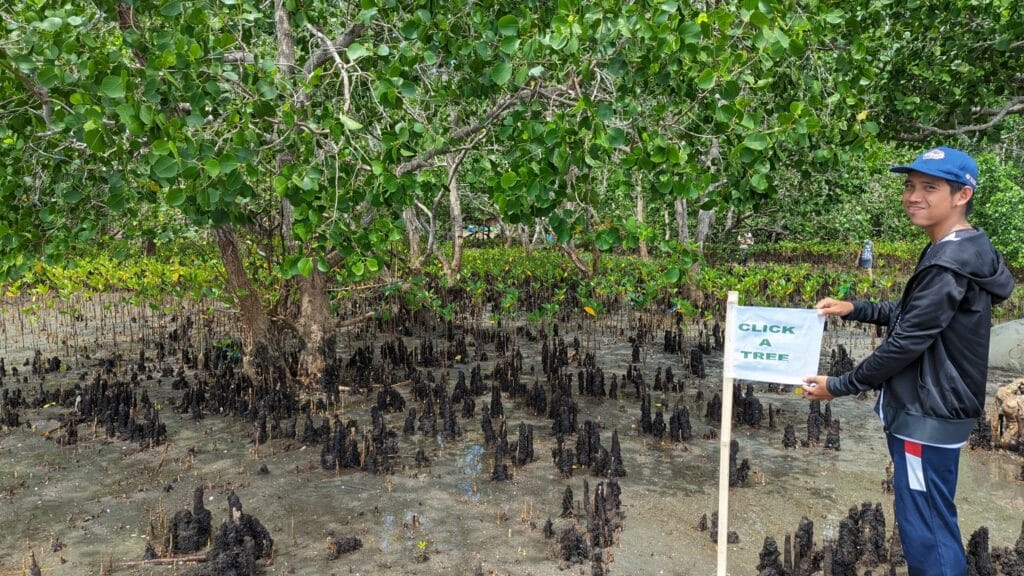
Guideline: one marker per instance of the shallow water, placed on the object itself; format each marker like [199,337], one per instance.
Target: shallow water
[100,497]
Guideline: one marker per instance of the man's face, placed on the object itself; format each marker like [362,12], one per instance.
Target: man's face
[929,203]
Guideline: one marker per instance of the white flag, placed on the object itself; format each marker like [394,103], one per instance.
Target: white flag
[781,345]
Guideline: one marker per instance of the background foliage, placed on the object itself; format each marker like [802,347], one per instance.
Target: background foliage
[357,139]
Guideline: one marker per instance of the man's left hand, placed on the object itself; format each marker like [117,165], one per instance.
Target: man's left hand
[816,389]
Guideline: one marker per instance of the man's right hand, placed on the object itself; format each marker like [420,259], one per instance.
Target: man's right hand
[833,307]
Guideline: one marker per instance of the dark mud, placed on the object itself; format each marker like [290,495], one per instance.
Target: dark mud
[449,507]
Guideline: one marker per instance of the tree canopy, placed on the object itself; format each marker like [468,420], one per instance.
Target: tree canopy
[327,136]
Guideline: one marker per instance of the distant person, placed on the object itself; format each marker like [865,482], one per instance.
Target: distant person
[745,241]
[931,367]
[867,257]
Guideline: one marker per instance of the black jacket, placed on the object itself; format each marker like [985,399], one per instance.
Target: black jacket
[932,366]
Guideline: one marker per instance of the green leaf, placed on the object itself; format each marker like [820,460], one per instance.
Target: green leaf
[305,266]
[657,154]
[672,275]
[606,239]
[509,179]
[161,147]
[706,79]
[94,140]
[372,264]
[112,86]
[501,73]
[411,29]
[756,141]
[171,9]
[760,19]
[510,45]
[508,25]
[350,123]
[357,268]
[131,121]
[266,90]
[356,51]
[116,202]
[146,114]
[483,50]
[165,167]
[175,197]
[125,111]
[48,77]
[280,184]
[616,137]
[691,32]
[835,17]
[759,182]
[212,167]
[51,24]
[207,197]
[730,90]
[367,15]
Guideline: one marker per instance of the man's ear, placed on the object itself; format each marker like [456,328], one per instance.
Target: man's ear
[964,196]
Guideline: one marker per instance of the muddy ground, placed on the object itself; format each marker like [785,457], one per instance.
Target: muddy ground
[92,507]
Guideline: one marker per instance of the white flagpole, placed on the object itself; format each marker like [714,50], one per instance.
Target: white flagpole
[726,435]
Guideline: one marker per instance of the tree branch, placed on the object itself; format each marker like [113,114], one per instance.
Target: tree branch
[286,64]
[285,323]
[316,60]
[334,259]
[238,57]
[496,113]
[126,21]
[431,224]
[1014,106]
[285,39]
[355,321]
[158,561]
[735,224]
[455,167]
[574,257]
[325,54]
[346,87]
[41,94]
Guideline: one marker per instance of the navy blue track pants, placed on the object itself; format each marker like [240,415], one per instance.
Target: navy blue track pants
[924,481]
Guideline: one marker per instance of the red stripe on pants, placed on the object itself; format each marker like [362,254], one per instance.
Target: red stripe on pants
[912,448]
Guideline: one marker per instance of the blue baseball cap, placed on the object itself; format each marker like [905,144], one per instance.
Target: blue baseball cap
[944,162]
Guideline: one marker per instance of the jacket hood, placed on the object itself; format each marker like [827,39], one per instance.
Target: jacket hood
[975,258]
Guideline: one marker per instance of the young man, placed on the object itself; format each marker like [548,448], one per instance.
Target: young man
[931,368]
